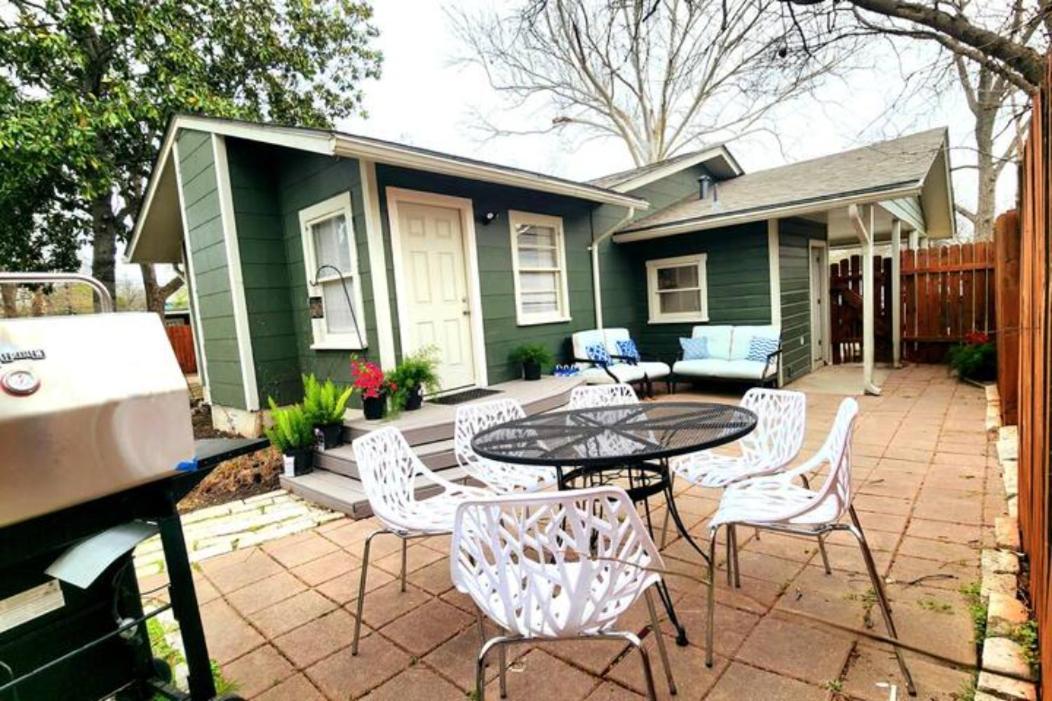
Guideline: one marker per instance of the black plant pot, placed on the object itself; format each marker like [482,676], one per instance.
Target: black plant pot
[414,399]
[331,435]
[373,407]
[300,461]
[531,370]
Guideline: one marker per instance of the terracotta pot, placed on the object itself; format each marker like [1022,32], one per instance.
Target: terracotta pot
[373,407]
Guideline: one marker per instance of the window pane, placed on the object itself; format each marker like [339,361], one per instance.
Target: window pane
[533,235]
[538,282]
[680,302]
[331,244]
[538,258]
[678,277]
[338,318]
[540,302]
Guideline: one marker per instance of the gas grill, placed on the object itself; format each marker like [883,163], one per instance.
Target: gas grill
[96,450]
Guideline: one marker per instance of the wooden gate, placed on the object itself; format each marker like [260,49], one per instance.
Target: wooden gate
[181,336]
[845,308]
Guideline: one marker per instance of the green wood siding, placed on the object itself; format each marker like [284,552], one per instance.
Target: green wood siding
[737,271]
[793,238]
[205,230]
[502,333]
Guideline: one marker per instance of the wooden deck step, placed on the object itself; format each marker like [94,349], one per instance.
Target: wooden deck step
[437,456]
[346,494]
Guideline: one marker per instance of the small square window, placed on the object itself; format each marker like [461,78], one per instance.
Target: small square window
[677,290]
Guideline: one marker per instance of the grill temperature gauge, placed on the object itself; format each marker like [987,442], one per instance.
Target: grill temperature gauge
[20,383]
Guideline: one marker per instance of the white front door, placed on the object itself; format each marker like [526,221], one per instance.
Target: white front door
[819,304]
[436,294]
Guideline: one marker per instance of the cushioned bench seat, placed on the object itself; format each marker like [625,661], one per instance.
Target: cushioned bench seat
[734,353]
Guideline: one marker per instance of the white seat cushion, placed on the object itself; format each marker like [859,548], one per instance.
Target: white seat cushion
[623,373]
[743,336]
[654,369]
[708,367]
[746,369]
[718,339]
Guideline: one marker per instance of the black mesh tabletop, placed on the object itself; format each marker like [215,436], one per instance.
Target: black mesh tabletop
[614,435]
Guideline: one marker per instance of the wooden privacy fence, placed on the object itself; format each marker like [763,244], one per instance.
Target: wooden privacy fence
[181,337]
[1034,368]
[947,293]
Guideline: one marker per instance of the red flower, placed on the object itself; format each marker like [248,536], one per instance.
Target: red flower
[369,379]
[976,338]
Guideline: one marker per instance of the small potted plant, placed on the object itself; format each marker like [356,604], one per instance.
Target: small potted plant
[416,373]
[532,356]
[369,379]
[291,433]
[975,359]
[324,405]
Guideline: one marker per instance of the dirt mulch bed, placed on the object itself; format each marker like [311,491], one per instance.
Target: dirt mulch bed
[240,478]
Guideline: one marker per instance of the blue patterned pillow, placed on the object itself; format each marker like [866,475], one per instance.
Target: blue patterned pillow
[695,348]
[760,347]
[627,349]
[598,354]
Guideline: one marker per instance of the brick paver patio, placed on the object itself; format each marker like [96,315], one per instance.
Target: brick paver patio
[279,617]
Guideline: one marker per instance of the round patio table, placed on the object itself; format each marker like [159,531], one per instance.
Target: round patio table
[619,444]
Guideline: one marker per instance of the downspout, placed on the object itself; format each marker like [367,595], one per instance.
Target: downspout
[865,237]
[594,249]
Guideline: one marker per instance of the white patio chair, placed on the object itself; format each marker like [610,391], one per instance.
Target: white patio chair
[390,472]
[781,417]
[557,566]
[775,503]
[501,477]
[593,396]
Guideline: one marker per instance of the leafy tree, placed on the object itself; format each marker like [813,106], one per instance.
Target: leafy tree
[87,88]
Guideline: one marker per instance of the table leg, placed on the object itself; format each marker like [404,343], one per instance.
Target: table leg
[674,512]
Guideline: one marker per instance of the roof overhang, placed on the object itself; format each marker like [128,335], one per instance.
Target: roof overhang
[718,160]
[160,219]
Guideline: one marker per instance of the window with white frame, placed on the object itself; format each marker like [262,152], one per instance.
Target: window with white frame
[539,263]
[677,290]
[331,262]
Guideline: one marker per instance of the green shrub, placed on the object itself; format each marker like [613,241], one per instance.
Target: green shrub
[291,429]
[532,353]
[324,403]
[974,361]
[419,369]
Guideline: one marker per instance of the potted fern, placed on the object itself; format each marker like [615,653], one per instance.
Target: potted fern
[324,405]
[532,356]
[291,433]
[416,373]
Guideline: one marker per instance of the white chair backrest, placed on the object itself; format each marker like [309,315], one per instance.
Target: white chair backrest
[718,340]
[742,338]
[387,467]
[781,420]
[582,339]
[558,564]
[837,452]
[613,336]
[602,395]
[472,419]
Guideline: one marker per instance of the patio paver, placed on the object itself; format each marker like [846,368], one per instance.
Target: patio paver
[280,616]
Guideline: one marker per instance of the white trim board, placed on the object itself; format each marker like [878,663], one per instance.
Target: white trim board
[827,344]
[374,235]
[774,271]
[471,268]
[237,282]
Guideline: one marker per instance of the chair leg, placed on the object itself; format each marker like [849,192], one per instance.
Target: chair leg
[648,672]
[711,615]
[734,554]
[659,640]
[882,597]
[480,665]
[405,548]
[729,534]
[821,538]
[502,660]
[361,591]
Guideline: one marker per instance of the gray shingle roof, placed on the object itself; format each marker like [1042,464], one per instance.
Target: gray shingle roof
[887,165]
[612,180]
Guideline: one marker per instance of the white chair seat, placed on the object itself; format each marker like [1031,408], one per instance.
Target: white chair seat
[501,477]
[527,478]
[729,369]
[654,369]
[622,371]
[773,501]
[716,471]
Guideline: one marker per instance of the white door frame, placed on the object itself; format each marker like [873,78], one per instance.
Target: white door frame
[395,195]
[827,346]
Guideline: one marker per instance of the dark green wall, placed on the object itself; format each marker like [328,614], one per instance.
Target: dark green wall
[502,333]
[737,272]
[794,235]
[212,273]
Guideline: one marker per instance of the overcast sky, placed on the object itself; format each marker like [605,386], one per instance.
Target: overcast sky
[423,99]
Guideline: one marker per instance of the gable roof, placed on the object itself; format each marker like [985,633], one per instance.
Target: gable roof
[155,215]
[716,158]
[889,170]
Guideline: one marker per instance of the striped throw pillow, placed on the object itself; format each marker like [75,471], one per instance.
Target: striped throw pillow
[760,347]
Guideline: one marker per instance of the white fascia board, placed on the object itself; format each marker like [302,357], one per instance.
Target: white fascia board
[393,155]
[782,212]
[672,168]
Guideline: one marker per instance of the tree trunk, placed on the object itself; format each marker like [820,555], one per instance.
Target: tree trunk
[157,295]
[9,293]
[104,244]
[987,171]
[39,305]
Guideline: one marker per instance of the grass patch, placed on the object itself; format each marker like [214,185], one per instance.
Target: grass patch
[173,657]
[968,689]
[977,608]
[935,606]
[1025,634]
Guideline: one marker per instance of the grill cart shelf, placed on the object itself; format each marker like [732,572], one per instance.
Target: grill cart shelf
[94,644]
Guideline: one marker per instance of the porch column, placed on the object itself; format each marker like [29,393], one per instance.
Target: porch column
[864,229]
[896,293]
[914,242]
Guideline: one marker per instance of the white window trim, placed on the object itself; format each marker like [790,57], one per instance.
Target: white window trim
[653,304]
[321,339]
[562,315]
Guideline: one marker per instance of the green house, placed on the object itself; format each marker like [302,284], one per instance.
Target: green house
[301,247]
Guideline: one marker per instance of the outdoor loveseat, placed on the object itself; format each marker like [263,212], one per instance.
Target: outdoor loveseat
[607,356]
[744,353]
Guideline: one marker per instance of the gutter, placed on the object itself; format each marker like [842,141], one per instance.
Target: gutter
[594,250]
